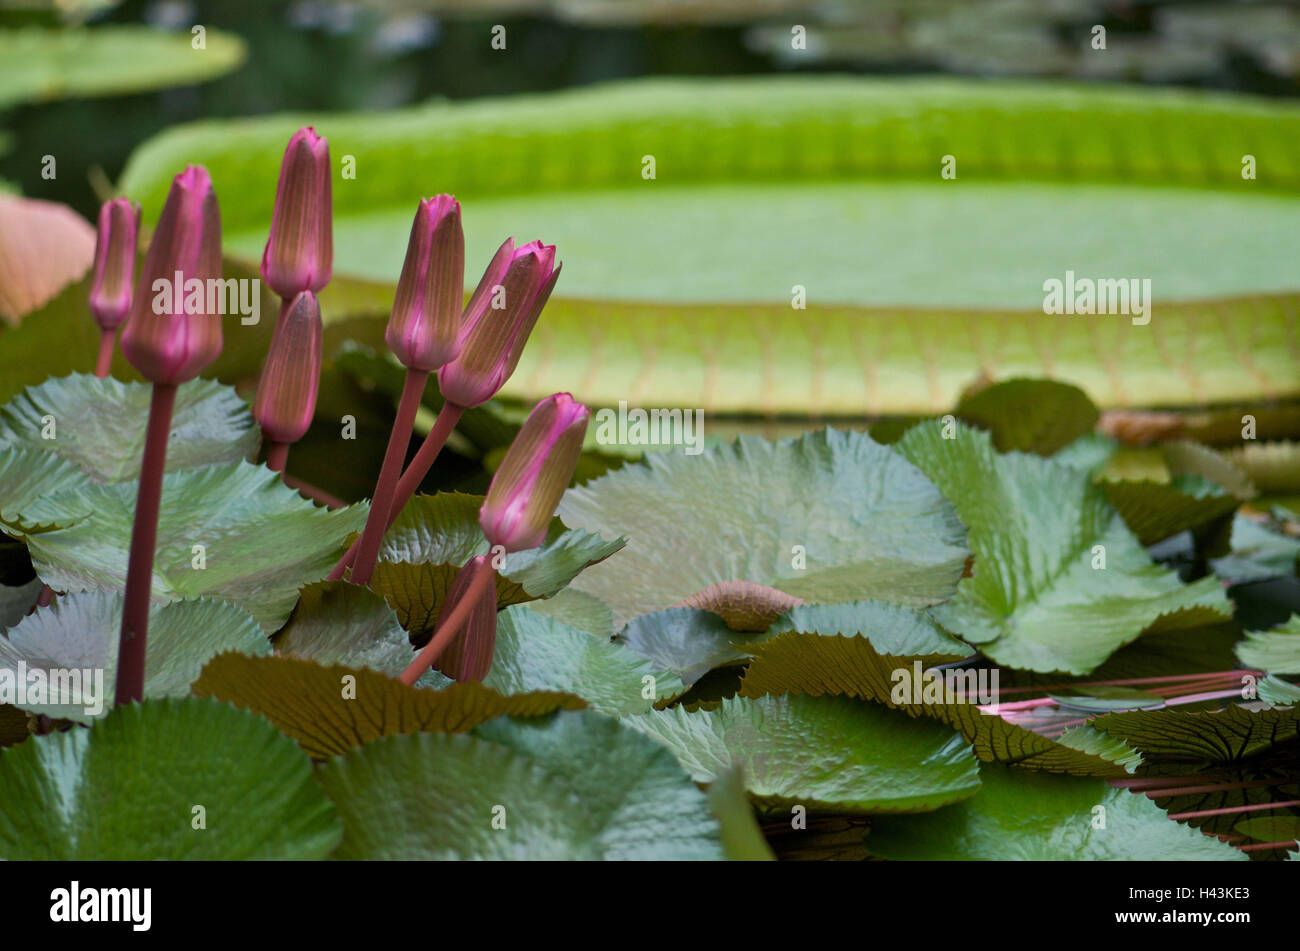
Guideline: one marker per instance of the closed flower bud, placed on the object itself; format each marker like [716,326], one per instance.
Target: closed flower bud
[533,475]
[299,253]
[498,319]
[171,337]
[469,655]
[112,282]
[423,331]
[286,393]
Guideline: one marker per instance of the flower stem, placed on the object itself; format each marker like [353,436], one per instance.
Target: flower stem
[449,627]
[104,362]
[144,540]
[381,504]
[447,419]
[277,456]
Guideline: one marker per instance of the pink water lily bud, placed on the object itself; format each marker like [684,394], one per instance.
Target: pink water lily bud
[286,394]
[299,253]
[423,330]
[469,655]
[112,284]
[533,475]
[498,319]
[174,331]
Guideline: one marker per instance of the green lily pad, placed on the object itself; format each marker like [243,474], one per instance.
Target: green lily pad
[336,622]
[1034,816]
[828,754]
[27,476]
[1203,738]
[829,516]
[690,643]
[1278,692]
[108,61]
[330,710]
[1270,828]
[261,540]
[1154,511]
[1106,699]
[99,425]
[1039,597]
[535,652]
[577,786]
[1040,416]
[80,632]
[706,320]
[1277,651]
[435,535]
[1256,553]
[164,779]
[819,665]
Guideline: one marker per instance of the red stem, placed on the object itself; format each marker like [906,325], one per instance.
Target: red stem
[144,540]
[277,456]
[1229,810]
[381,504]
[447,419]
[447,630]
[1284,844]
[1039,688]
[104,362]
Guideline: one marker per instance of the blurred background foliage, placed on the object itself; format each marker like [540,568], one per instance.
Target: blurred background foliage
[77,83]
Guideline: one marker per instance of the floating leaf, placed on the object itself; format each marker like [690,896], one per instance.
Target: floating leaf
[1039,416]
[1277,651]
[1040,532]
[1106,699]
[99,425]
[1270,828]
[1272,466]
[81,632]
[330,710]
[577,786]
[27,476]
[709,325]
[535,652]
[1155,511]
[1256,553]
[131,788]
[829,516]
[686,642]
[261,540]
[829,754]
[820,665]
[1203,737]
[690,643]
[336,622]
[436,535]
[1274,690]
[107,61]
[1033,816]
